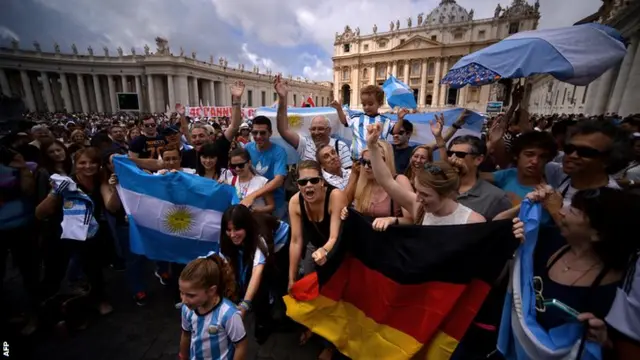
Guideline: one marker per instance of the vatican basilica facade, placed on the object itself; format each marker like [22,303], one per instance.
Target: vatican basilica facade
[419,51]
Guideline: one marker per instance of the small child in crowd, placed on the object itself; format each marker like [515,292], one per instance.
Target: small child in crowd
[371,97]
[212,327]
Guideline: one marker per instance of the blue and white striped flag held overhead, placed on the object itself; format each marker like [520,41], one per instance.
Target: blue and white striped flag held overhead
[398,94]
[175,217]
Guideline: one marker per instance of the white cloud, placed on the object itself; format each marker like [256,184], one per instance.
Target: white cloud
[317,69]
[6,33]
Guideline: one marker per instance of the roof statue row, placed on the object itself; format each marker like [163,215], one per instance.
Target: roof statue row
[162,49]
[448,12]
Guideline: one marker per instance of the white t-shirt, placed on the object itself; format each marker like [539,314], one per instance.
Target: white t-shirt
[246,188]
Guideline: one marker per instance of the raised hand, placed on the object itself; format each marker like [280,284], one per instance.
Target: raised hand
[335,104]
[402,113]
[237,89]
[496,131]
[458,163]
[113,180]
[436,125]
[373,134]
[461,118]
[281,87]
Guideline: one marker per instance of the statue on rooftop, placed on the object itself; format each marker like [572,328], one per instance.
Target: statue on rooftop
[120,51]
[397,24]
[74,49]
[408,22]
[181,51]
[375,28]
[193,55]
[391,26]
[146,50]
[471,14]
[106,51]
[133,51]
[15,44]
[496,14]
[90,50]
[420,19]
[56,48]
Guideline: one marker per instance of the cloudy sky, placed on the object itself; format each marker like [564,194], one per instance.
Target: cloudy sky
[290,36]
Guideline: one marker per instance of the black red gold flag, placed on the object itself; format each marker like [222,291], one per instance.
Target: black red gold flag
[389,295]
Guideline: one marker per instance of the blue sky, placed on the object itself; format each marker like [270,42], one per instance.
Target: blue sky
[289,36]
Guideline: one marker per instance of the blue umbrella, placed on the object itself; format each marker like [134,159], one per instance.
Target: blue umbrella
[398,93]
[576,55]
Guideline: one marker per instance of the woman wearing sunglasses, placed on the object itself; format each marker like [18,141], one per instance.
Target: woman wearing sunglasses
[315,224]
[583,267]
[246,181]
[434,202]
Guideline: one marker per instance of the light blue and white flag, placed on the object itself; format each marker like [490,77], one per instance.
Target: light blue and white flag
[300,121]
[175,217]
[520,336]
[398,94]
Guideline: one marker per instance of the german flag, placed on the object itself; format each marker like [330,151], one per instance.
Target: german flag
[406,291]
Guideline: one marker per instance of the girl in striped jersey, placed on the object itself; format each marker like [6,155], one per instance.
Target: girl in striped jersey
[212,327]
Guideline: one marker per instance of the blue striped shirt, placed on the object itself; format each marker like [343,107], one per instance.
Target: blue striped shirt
[214,334]
[358,123]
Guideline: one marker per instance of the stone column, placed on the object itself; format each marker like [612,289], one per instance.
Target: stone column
[151,94]
[623,76]
[28,92]
[195,101]
[98,91]
[4,84]
[387,76]
[422,94]
[182,90]
[436,84]
[443,88]
[406,72]
[84,103]
[462,96]
[630,99]
[592,93]
[139,91]
[604,91]
[66,92]
[355,86]
[112,93]
[56,90]
[171,92]
[394,72]
[125,87]
[48,96]
[212,94]
[372,76]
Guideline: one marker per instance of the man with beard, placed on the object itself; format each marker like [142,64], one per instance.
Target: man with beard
[146,145]
[320,130]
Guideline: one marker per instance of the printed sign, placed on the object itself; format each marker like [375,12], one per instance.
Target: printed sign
[217,111]
[494,106]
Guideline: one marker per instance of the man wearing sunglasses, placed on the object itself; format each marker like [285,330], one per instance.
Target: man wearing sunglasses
[146,145]
[594,150]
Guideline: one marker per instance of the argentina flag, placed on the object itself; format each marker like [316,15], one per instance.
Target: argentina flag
[174,217]
[521,337]
[398,94]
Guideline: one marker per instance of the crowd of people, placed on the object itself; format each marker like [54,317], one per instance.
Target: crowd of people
[585,171]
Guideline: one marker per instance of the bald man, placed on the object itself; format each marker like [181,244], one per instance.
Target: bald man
[320,131]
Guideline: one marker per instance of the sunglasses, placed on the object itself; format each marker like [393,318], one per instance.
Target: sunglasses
[238,166]
[583,151]
[537,288]
[149,125]
[260,132]
[304,182]
[367,163]
[459,154]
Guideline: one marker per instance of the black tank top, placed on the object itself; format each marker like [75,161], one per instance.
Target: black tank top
[316,233]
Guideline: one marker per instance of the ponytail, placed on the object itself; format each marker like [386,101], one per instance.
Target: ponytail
[227,284]
[212,270]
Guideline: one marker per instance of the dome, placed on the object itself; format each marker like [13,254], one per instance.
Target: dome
[447,12]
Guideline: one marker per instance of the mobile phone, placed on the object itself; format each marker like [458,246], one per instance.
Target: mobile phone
[571,313]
